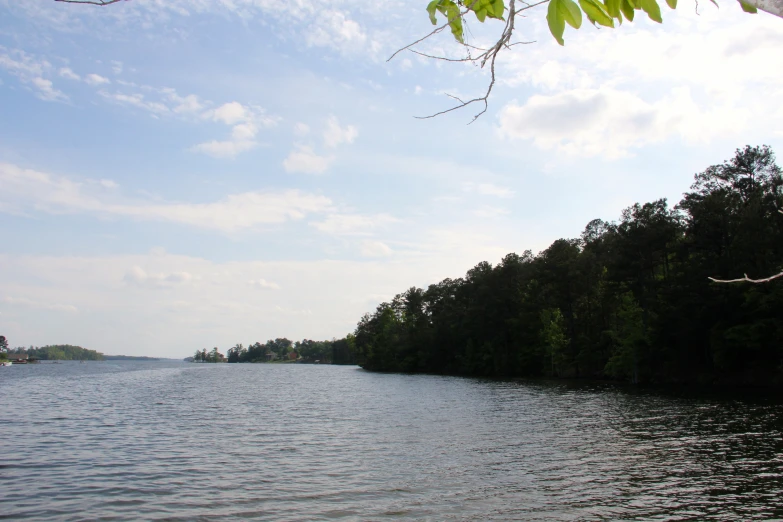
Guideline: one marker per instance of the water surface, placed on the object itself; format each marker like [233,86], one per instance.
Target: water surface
[178,441]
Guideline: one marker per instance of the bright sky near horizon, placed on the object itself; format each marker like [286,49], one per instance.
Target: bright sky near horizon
[183,174]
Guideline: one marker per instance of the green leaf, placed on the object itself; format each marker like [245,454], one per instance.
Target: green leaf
[455,20]
[748,8]
[672,3]
[636,4]
[452,13]
[596,12]
[570,13]
[653,10]
[431,7]
[481,15]
[613,8]
[555,21]
[627,8]
[498,8]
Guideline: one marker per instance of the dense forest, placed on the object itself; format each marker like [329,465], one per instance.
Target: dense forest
[60,352]
[628,300]
[336,351]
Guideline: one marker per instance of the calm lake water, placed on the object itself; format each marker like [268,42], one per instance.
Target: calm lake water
[178,441]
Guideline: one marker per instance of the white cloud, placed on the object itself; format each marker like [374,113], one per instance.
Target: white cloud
[26,191]
[223,149]
[66,72]
[137,276]
[611,92]
[347,27]
[96,79]
[116,67]
[611,123]
[230,113]
[263,284]
[136,100]
[22,64]
[23,301]
[245,121]
[293,311]
[490,212]
[353,224]
[488,189]
[31,70]
[301,129]
[335,135]
[332,28]
[304,159]
[375,249]
[244,132]
[46,90]
[189,104]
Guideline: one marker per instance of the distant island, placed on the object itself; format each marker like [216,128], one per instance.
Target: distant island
[59,352]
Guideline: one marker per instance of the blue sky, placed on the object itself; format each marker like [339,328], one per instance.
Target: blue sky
[182,174]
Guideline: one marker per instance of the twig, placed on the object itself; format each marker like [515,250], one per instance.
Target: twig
[488,55]
[434,32]
[434,57]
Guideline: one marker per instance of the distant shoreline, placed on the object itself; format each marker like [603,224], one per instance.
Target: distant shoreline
[130,358]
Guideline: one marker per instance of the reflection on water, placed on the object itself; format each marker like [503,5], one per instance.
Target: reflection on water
[140,440]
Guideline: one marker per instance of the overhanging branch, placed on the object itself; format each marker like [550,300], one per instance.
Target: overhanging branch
[746,279]
[488,55]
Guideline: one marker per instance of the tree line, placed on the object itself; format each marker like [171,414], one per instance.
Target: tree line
[58,352]
[629,300]
[336,351]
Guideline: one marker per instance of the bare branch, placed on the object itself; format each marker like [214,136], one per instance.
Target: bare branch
[91,2]
[747,279]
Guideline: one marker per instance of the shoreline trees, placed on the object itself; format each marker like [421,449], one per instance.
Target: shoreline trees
[629,300]
[336,351]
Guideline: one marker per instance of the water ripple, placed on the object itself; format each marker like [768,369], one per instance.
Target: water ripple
[171,441]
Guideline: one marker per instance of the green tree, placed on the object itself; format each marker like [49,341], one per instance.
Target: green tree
[554,338]
[631,340]
[236,354]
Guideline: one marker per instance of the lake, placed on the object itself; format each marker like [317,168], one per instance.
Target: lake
[179,441]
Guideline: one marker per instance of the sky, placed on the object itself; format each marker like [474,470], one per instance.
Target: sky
[183,174]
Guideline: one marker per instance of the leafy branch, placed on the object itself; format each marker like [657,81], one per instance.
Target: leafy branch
[455,13]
